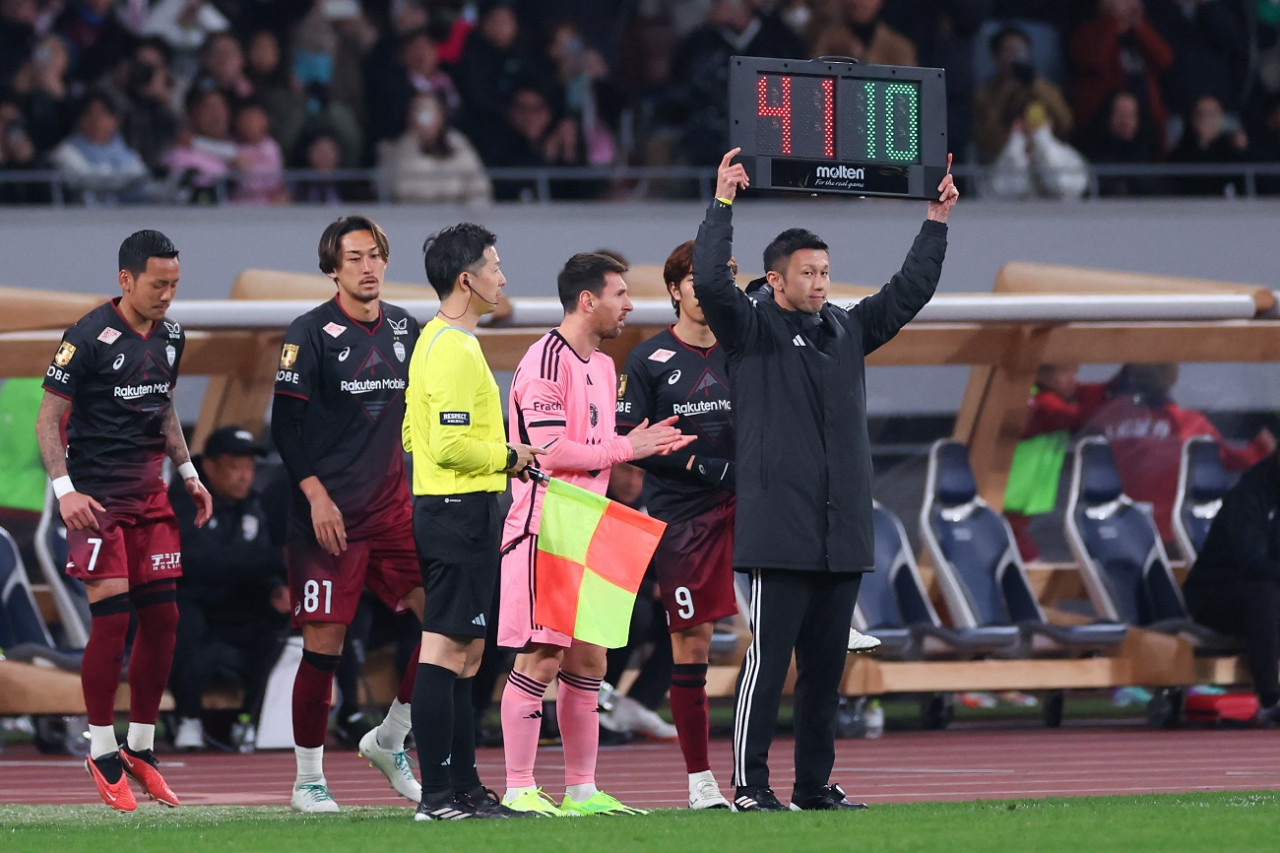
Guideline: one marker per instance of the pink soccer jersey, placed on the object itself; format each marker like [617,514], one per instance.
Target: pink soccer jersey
[567,405]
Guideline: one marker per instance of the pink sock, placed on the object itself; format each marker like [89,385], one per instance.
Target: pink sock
[578,712]
[521,725]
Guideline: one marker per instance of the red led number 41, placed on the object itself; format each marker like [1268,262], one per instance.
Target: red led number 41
[782,111]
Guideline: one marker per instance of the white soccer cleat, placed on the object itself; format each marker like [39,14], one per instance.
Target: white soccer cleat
[313,798]
[394,765]
[860,642]
[704,792]
[190,734]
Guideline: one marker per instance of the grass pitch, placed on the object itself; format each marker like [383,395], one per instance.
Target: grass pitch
[1166,823]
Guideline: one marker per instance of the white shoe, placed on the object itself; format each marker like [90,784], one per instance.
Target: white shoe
[628,715]
[860,642]
[313,798]
[190,734]
[704,792]
[394,765]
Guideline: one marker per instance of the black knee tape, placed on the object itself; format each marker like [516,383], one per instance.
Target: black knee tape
[122,603]
[689,675]
[324,663]
[156,592]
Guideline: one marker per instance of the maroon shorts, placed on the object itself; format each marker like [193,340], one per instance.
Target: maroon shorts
[694,567]
[137,540]
[326,588]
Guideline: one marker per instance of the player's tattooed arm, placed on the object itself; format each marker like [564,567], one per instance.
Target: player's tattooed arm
[77,509]
[175,447]
[49,434]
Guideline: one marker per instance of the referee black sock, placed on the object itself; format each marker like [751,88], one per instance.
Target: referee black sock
[433,719]
[462,766]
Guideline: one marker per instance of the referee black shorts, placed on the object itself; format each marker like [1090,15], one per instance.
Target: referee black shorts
[458,538]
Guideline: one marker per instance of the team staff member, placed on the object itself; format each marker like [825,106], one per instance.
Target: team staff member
[803,525]
[112,378]
[562,398]
[681,372]
[336,420]
[453,427]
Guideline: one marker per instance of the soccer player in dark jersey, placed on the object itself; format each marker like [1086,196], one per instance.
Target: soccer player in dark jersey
[339,406]
[681,372]
[111,382]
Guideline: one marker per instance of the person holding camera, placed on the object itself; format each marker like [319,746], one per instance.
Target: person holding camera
[1005,99]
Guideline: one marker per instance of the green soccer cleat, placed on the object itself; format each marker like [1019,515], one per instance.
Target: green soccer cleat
[597,803]
[533,801]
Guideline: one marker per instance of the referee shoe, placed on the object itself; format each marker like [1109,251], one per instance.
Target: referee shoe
[756,799]
[828,798]
[860,642]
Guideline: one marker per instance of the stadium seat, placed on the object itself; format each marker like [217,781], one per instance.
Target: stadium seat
[1202,483]
[1122,560]
[20,619]
[892,605]
[68,593]
[978,567]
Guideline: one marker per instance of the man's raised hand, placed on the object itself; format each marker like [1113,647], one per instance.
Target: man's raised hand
[731,177]
[948,195]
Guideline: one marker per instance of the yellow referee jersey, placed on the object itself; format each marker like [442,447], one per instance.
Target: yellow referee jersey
[453,415]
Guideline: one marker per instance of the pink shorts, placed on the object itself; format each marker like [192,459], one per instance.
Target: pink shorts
[516,628]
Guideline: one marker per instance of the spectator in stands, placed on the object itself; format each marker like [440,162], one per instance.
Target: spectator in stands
[268,70]
[46,94]
[95,163]
[259,160]
[17,36]
[1147,429]
[96,37]
[184,26]
[431,162]
[531,137]
[1210,44]
[1207,137]
[232,600]
[1035,163]
[945,35]
[1234,586]
[1060,404]
[1266,144]
[145,86]
[390,86]
[1004,99]
[861,32]
[695,102]
[222,68]
[495,62]
[320,151]
[18,153]
[1119,49]
[1122,133]
[586,91]
[205,151]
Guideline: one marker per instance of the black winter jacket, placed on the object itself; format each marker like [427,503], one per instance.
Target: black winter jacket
[799,401]
[1243,544]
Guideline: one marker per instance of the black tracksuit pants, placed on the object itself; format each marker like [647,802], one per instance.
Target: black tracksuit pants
[808,612]
[1249,610]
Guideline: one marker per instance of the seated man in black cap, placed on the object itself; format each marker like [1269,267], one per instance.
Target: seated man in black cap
[232,600]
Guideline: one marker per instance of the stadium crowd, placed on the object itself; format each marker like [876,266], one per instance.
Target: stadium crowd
[208,100]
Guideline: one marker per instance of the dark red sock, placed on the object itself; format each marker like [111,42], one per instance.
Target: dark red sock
[410,674]
[689,710]
[152,656]
[312,696]
[104,657]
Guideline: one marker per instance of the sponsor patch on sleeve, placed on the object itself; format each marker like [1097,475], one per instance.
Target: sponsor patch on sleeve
[109,335]
[455,419]
[288,356]
[662,356]
[64,354]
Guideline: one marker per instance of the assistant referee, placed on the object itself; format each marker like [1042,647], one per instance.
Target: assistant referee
[453,427]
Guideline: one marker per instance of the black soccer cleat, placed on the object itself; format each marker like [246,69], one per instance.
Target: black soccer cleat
[756,799]
[441,806]
[485,803]
[829,798]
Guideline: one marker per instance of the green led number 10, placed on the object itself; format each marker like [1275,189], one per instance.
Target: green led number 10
[901,105]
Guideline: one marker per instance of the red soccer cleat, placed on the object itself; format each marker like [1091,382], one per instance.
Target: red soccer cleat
[142,767]
[116,794]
